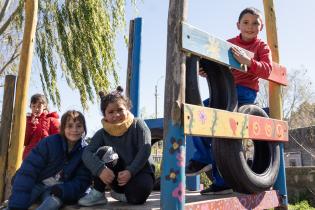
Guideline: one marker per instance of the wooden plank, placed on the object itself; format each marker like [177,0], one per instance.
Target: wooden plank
[262,200]
[195,201]
[278,74]
[205,45]
[203,121]
[198,42]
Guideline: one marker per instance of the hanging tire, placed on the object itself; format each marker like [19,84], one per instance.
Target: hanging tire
[251,173]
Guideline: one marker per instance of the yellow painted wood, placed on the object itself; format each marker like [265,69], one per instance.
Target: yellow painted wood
[19,118]
[275,99]
[203,121]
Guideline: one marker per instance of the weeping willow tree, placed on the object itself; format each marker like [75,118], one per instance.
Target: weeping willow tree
[78,37]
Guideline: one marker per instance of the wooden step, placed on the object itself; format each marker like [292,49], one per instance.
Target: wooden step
[195,201]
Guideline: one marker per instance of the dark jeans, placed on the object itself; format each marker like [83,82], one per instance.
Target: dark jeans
[137,190]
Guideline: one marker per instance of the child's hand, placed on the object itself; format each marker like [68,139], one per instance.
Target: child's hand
[35,120]
[241,56]
[202,73]
[107,176]
[123,177]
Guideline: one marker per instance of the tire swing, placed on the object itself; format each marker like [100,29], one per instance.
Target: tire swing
[222,93]
[253,164]
[244,173]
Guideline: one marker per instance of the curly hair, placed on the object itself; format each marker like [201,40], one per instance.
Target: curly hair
[113,97]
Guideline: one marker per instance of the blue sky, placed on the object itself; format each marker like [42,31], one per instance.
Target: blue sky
[296,32]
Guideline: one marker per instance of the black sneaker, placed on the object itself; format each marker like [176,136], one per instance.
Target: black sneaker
[216,190]
[195,168]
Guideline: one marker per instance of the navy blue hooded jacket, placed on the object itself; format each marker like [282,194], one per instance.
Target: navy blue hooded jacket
[47,159]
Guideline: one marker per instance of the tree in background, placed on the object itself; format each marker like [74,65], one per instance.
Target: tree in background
[76,37]
[297,99]
[10,36]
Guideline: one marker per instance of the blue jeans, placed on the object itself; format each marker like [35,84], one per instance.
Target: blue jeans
[203,145]
[41,192]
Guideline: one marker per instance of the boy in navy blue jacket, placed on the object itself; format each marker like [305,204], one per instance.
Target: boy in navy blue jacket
[53,173]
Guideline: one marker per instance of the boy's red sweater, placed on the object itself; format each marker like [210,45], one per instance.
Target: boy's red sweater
[261,64]
[48,124]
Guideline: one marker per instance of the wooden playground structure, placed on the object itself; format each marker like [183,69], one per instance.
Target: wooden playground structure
[180,117]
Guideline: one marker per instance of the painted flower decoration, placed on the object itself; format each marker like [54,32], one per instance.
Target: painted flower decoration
[202,117]
[213,48]
[172,175]
[178,192]
[175,145]
[180,157]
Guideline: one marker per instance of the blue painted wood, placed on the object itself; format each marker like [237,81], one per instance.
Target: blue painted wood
[173,173]
[192,182]
[281,184]
[154,123]
[205,45]
[135,69]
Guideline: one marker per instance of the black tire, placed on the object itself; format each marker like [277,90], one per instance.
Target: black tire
[263,169]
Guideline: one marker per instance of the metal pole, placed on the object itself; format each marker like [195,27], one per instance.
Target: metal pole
[156,101]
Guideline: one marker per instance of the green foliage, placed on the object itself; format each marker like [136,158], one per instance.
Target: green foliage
[205,180]
[303,205]
[78,37]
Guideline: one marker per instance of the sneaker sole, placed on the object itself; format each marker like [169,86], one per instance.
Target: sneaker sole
[93,204]
[223,192]
[204,169]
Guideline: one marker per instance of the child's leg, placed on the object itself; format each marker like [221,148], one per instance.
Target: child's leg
[50,203]
[99,185]
[138,189]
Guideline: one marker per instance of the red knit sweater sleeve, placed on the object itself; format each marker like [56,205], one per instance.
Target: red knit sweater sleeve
[261,65]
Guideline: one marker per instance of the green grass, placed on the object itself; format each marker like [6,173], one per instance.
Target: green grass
[302,205]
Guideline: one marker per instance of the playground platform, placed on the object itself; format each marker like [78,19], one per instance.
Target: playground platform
[195,201]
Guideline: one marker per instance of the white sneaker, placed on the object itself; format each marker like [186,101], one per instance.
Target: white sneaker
[118,196]
[94,197]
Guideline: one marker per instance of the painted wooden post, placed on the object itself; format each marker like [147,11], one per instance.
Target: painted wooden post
[19,115]
[135,66]
[275,100]
[174,148]
[129,64]
[5,128]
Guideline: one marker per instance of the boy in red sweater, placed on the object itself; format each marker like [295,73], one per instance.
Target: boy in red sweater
[39,124]
[250,24]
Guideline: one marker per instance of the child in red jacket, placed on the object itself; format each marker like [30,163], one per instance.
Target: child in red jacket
[39,124]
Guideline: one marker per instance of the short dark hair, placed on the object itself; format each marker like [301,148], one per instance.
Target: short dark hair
[250,10]
[71,114]
[112,97]
[38,98]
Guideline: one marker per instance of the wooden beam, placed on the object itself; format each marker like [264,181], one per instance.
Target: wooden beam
[262,200]
[19,118]
[275,98]
[5,128]
[173,171]
[202,44]
[204,121]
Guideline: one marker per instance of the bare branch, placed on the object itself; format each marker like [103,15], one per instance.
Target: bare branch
[13,57]
[4,9]
[7,23]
